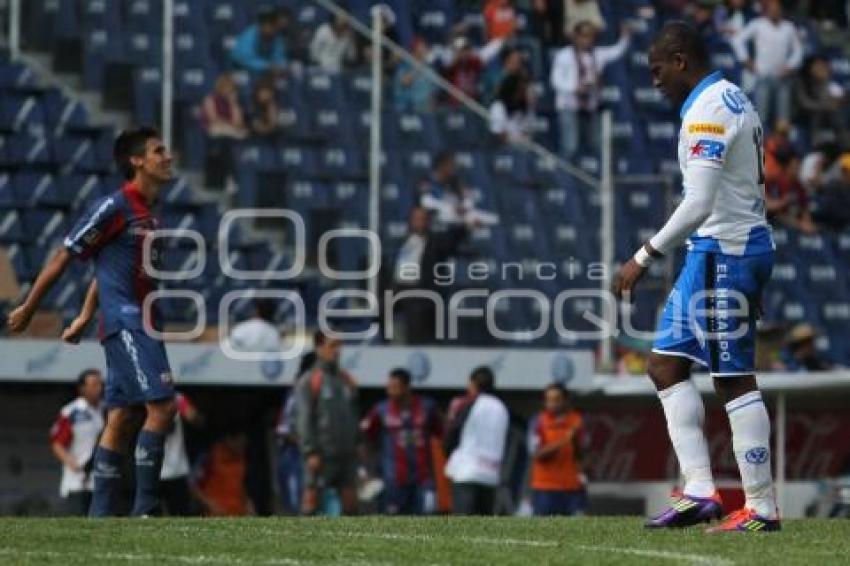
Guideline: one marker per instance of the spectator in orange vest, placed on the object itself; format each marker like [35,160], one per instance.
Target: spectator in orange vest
[556,444]
[219,481]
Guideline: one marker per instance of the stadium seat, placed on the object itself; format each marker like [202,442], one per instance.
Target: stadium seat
[32,151]
[11,227]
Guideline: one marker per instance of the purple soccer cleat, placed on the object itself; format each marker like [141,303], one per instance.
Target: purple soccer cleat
[687,511]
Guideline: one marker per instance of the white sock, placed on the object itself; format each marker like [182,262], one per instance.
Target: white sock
[685,415]
[751,444]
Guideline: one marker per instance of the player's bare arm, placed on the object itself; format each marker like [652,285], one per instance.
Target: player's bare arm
[19,319]
[74,331]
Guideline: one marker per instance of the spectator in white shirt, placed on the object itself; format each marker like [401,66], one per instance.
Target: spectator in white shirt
[73,438]
[475,443]
[257,334]
[333,45]
[576,76]
[778,54]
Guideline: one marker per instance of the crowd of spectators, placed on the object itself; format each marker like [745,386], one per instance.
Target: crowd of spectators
[500,59]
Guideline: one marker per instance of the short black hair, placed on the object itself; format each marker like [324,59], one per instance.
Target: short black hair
[131,143]
[265,309]
[402,375]
[444,157]
[682,37]
[81,378]
[559,387]
[319,338]
[483,378]
[267,15]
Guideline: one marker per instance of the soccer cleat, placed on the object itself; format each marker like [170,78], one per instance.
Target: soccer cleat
[746,520]
[687,511]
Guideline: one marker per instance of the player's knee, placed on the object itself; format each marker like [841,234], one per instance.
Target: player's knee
[665,371]
[657,368]
[160,414]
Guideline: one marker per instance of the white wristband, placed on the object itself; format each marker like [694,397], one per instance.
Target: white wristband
[642,257]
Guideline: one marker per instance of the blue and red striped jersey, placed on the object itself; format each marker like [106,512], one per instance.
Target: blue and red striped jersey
[405,436]
[111,233]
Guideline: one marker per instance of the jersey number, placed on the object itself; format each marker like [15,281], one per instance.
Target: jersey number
[758,139]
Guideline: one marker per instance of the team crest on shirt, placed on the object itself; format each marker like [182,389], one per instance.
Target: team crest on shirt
[707,150]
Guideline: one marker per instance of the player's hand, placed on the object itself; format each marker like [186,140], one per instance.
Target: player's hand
[627,278]
[314,463]
[74,331]
[19,318]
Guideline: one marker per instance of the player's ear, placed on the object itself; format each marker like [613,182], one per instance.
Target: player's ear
[680,62]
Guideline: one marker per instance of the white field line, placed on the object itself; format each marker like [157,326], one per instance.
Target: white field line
[173,558]
[430,538]
[663,554]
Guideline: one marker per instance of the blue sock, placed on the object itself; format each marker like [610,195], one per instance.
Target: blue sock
[106,472]
[148,467]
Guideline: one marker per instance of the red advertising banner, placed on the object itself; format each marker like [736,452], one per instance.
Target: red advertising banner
[631,444]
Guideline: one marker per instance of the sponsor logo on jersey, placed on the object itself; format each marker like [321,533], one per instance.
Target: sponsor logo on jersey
[734,100]
[706,128]
[708,150]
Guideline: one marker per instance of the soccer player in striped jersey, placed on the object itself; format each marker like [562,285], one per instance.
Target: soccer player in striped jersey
[139,384]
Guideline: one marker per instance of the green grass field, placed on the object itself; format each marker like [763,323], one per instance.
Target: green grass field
[380,540]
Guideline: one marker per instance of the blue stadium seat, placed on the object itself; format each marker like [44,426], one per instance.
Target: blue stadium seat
[193,82]
[24,149]
[352,201]
[19,260]
[144,16]
[62,113]
[358,89]
[301,159]
[418,165]
[15,75]
[77,188]
[8,196]
[11,227]
[75,153]
[433,20]
[472,169]
[101,14]
[462,130]
[100,46]
[417,131]
[179,193]
[511,167]
[147,86]
[22,113]
[324,89]
[57,19]
[43,227]
[38,190]
[341,163]
[332,125]
[143,46]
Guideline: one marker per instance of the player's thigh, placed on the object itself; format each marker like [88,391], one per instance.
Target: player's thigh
[732,339]
[679,329]
[147,374]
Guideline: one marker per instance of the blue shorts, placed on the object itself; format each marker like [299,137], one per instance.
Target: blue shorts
[710,315]
[137,369]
